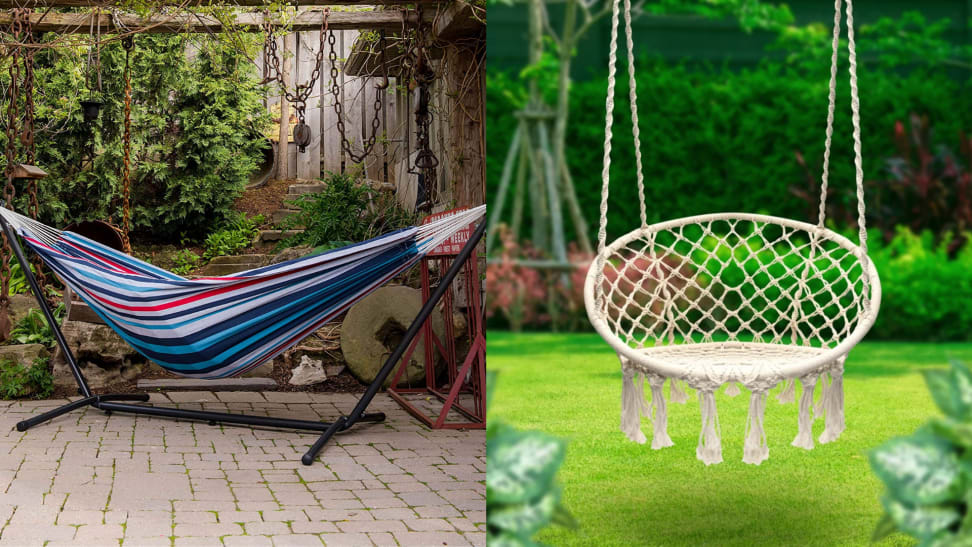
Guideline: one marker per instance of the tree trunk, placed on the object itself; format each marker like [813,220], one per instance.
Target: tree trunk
[562,115]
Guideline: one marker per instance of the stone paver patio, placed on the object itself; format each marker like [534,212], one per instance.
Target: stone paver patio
[90,479]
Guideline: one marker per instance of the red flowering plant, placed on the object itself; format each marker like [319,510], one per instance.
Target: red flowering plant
[524,296]
[924,187]
[513,291]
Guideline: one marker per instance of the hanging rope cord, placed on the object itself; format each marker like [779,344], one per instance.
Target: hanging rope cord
[633,98]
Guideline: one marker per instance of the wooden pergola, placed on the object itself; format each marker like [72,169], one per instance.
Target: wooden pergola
[452,20]
[76,23]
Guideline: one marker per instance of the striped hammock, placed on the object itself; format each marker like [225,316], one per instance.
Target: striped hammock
[216,327]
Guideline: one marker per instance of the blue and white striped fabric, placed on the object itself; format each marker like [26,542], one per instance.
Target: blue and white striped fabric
[216,327]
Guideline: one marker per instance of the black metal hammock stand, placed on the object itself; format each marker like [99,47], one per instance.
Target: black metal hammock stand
[22,58]
[116,402]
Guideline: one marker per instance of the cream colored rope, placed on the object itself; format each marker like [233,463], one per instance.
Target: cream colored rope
[606,169]
[832,97]
[856,118]
[633,98]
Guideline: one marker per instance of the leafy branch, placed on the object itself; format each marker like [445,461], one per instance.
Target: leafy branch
[928,475]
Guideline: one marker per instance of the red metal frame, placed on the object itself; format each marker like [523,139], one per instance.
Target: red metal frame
[469,377]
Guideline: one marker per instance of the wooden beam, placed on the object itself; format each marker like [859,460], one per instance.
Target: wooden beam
[24,171]
[175,23]
[460,20]
[44,4]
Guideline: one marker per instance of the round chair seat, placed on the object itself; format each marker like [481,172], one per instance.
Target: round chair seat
[744,356]
[788,298]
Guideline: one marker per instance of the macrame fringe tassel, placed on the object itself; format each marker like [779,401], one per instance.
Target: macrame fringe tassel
[818,408]
[833,406]
[632,407]
[676,393]
[709,450]
[755,449]
[660,438]
[788,395]
[640,394]
[732,389]
[804,438]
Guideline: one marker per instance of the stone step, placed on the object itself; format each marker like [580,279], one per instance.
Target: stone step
[279,215]
[257,259]
[23,354]
[192,384]
[217,270]
[273,236]
[79,311]
[300,189]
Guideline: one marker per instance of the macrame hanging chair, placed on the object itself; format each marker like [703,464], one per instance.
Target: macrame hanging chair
[732,298]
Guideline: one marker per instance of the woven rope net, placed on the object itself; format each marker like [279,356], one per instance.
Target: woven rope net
[728,278]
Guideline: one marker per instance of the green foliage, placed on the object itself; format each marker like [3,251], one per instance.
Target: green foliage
[925,291]
[716,139]
[235,234]
[522,496]
[32,328]
[909,40]
[751,14]
[34,381]
[18,281]
[348,210]
[928,475]
[185,261]
[196,134]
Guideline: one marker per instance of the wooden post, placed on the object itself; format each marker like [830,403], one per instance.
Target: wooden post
[309,162]
[464,80]
[283,147]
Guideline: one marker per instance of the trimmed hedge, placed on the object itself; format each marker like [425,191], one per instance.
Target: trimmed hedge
[714,139]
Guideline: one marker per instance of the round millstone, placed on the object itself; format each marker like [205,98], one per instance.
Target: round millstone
[374,327]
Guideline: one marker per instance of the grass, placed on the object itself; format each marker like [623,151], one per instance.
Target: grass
[623,493]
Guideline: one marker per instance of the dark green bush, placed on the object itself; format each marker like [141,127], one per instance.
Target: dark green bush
[348,210]
[714,139]
[926,295]
[196,135]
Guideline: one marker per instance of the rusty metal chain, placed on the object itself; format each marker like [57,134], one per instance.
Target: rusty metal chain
[128,43]
[303,91]
[15,53]
[368,143]
[27,142]
[421,75]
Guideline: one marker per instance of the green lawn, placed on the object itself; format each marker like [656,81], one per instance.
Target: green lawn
[626,494]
